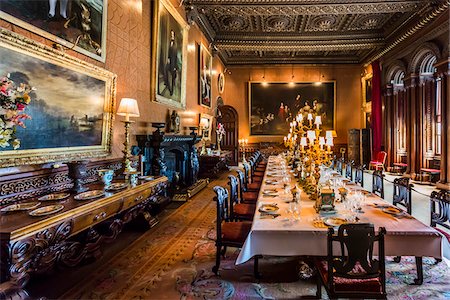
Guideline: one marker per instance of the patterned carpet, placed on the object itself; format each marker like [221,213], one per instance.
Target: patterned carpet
[174,259]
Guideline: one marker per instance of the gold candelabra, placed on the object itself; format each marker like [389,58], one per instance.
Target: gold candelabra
[242,144]
[128,108]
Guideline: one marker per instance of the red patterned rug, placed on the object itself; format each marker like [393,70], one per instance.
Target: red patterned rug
[174,259]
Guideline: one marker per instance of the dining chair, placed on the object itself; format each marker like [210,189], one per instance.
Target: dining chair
[378,183]
[379,161]
[402,193]
[339,164]
[228,234]
[440,212]
[359,175]
[255,173]
[250,178]
[354,272]
[247,195]
[349,170]
[333,163]
[239,211]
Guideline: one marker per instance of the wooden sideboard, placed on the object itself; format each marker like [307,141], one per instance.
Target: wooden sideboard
[36,244]
[212,165]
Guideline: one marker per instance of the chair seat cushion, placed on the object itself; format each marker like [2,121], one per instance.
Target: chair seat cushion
[263,163]
[254,186]
[250,197]
[371,285]
[257,179]
[258,174]
[374,162]
[235,232]
[432,171]
[446,234]
[244,210]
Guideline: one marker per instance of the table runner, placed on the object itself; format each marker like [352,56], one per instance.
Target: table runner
[283,236]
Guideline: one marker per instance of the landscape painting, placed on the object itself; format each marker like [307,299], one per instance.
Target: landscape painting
[70,107]
[274,104]
[75,24]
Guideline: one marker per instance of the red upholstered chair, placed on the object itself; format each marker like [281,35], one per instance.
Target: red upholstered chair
[239,211]
[354,273]
[246,195]
[378,163]
[229,234]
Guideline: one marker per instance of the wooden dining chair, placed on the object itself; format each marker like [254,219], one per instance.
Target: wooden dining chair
[250,178]
[228,234]
[354,272]
[359,175]
[333,163]
[246,195]
[349,170]
[378,183]
[339,164]
[239,211]
[440,212]
[402,193]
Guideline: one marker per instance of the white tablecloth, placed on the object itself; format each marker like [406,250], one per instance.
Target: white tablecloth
[284,236]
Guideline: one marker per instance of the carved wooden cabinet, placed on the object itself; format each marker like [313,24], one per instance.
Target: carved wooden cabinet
[36,244]
[212,165]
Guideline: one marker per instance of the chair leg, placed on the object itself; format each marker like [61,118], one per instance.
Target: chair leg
[256,267]
[215,269]
[437,260]
[397,259]
[224,251]
[319,287]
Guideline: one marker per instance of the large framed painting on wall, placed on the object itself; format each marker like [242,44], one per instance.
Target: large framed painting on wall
[169,40]
[71,104]
[77,24]
[272,105]
[205,70]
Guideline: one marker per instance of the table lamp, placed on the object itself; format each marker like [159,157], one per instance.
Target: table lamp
[129,108]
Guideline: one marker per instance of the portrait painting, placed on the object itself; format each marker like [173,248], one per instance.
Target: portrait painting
[75,24]
[205,69]
[273,105]
[171,56]
[368,89]
[205,125]
[70,105]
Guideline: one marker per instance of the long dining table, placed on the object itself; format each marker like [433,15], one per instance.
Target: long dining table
[304,233]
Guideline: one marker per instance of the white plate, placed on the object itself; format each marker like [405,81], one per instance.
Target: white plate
[54,197]
[20,206]
[90,195]
[46,210]
[268,208]
[334,221]
[392,210]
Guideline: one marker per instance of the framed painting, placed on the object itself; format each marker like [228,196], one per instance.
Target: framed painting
[273,105]
[169,70]
[205,125]
[221,83]
[205,74]
[75,24]
[70,104]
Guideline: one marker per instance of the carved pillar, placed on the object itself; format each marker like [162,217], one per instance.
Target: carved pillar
[443,72]
[413,128]
[389,128]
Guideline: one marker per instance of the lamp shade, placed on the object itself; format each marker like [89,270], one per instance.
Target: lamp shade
[128,107]
[321,140]
[330,142]
[310,117]
[318,120]
[311,134]
[303,141]
[204,122]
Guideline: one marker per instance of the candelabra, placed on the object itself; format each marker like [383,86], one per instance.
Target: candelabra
[128,108]
[242,144]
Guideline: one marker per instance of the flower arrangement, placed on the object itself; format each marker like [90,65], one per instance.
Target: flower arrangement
[220,133]
[13,101]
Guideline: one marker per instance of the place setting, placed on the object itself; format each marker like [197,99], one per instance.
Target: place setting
[268,211]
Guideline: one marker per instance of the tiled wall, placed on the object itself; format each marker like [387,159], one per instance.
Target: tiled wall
[128,51]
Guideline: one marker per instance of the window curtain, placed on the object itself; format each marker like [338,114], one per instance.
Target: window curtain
[376,109]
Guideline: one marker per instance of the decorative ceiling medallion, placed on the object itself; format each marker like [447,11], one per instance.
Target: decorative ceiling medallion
[324,23]
[278,23]
[234,23]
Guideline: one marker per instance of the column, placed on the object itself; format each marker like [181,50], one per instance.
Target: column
[443,72]
[413,130]
[389,129]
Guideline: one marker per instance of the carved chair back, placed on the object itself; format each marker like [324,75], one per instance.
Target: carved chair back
[378,183]
[247,173]
[333,163]
[242,182]
[339,164]
[349,170]
[440,208]
[402,193]
[234,199]
[355,260]
[359,175]
[222,208]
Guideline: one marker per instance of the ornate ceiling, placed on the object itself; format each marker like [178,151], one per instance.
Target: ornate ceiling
[305,31]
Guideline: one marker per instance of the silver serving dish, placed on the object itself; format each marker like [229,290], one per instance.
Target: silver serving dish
[46,210]
[20,206]
[117,186]
[54,197]
[148,178]
[90,195]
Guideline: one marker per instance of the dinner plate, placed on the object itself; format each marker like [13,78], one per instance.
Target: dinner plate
[392,210]
[46,210]
[147,178]
[54,197]
[20,206]
[334,221]
[269,190]
[90,195]
[271,181]
[268,208]
[117,186]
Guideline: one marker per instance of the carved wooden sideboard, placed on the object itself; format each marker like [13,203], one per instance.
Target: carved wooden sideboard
[35,244]
[212,165]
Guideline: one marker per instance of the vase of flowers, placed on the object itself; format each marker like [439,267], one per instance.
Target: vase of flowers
[220,133]
[13,101]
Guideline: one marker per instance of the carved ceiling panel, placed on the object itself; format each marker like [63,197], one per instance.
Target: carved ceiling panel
[276,31]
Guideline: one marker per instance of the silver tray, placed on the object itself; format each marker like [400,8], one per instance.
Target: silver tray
[54,197]
[20,206]
[90,195]
[117,186]
[46,210]
[148,178]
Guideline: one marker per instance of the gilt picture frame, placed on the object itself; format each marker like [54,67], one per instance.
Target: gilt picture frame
[77,25]
[169,44]
[204,76]
[206,130]
[273,104]
[71,107]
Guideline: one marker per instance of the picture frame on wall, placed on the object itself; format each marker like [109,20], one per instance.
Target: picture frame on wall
[71,104]
[205,76]
[273,104]
[205,125]
[168,74]
[221,82]
[77,25]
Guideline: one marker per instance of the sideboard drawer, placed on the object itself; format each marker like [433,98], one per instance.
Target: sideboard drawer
[133,200]
[96,216]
